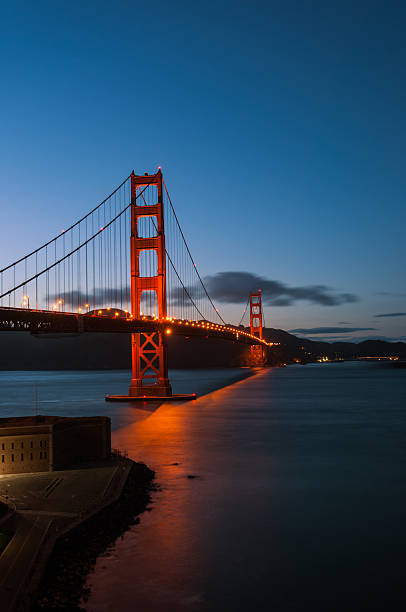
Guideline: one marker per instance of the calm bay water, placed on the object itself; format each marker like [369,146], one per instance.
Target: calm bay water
[299,497]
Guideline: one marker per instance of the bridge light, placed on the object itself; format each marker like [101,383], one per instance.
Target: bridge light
[86,305]
[60,301]
[99,312]
[116,314]
[168,331]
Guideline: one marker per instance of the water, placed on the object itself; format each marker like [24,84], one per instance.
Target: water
[298,501]
[81,393]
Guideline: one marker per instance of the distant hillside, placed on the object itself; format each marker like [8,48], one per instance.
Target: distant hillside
[293,348]
[22,351]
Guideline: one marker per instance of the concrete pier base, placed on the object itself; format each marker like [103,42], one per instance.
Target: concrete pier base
[151,398]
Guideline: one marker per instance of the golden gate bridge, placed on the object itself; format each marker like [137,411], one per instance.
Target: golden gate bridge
[123,267]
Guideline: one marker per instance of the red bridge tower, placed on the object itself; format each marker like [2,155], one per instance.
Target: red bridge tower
[149,350]
[256,323]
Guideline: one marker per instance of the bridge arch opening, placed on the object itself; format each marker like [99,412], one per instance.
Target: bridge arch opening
[148,196]
[148,263]
[147,226]
[149,303]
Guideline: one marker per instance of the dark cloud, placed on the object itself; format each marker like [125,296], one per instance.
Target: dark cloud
[343,322]
[388,293]
[95,297]
[234,287]
[391,314]
[330,330]
[225,287]
[115,297]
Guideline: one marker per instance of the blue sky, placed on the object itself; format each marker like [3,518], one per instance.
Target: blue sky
[280,128]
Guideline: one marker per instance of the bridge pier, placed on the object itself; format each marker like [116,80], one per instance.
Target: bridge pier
[149,353]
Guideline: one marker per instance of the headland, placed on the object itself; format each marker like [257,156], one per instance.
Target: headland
[79,511]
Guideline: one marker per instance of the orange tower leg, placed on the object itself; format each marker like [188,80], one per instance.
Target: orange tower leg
[149,350]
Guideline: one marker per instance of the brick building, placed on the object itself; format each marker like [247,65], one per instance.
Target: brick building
[46,443]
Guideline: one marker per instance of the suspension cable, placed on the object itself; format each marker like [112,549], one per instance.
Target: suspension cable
[190,255]
[245,310]
[72,252]
[175,270]
[64,231]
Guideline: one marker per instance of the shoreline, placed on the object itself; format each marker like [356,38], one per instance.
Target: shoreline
[60,558]
[45,564]
[76,551]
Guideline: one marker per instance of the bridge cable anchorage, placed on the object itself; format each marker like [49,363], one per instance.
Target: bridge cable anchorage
[190,255]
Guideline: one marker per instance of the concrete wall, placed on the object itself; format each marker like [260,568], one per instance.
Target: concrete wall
[20,453]
[80,441]
[57,445]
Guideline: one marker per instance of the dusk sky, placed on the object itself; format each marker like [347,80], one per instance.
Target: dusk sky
[279,126]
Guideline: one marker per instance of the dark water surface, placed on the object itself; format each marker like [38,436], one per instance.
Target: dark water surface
[299,497]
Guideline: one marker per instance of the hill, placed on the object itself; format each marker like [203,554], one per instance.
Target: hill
[293,348]
[22,351]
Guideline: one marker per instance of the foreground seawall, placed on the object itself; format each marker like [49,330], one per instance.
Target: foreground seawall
[46,511]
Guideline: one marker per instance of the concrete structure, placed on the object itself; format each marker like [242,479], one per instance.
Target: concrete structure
[46,443]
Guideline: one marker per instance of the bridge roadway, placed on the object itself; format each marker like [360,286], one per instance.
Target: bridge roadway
[46,321]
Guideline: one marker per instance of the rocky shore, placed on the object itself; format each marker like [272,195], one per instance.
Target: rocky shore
[75,554]
[3,509]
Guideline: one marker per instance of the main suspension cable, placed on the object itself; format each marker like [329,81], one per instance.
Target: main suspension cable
[46,244]
[190,255]
[243,314]
[71,253]
[176,272]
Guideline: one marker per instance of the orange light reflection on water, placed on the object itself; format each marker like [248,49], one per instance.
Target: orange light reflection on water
[161,564]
